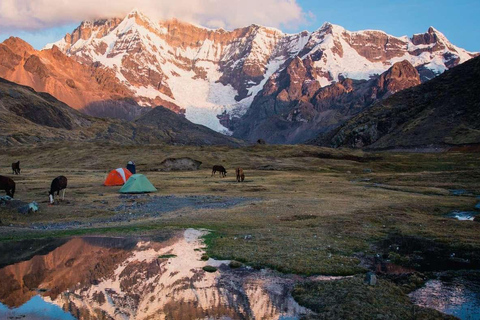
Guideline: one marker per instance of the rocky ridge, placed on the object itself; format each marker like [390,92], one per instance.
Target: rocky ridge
[207,72]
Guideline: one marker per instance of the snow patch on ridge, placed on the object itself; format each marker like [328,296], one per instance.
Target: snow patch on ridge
[192,70]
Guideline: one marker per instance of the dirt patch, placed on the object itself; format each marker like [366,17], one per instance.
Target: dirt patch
[135,207]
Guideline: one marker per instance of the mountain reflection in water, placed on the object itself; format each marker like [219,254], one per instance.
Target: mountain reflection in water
[458,297]
[117,278]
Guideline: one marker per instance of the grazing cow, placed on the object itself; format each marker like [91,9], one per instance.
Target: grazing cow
[58,184]
[220,169]
[8,185]
[16,167]
[240,175]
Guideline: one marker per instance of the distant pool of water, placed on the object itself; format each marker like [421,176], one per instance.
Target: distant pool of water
[458,297]
[125,278]
[463,215]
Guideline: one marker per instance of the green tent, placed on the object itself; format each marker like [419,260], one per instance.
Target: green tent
[138,183]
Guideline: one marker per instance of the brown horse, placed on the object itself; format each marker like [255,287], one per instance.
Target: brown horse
[240,175]
[8,185]
[16,167]
[220,169]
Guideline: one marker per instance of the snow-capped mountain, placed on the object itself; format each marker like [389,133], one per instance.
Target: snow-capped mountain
[207,72]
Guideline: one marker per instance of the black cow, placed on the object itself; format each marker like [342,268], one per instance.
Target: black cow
[58,184]
[220,169]
[8,185]
[16,167]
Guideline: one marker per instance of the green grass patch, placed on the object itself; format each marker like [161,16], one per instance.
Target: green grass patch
[210,269]
[167,256]
[351,298]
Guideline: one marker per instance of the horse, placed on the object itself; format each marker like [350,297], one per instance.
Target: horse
[220,169]
[8,185]
[240,175]
[58,184]
[16,167]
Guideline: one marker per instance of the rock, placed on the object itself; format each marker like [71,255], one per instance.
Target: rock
[180,164]
[476,219]
[32,207]
[261,142]
[5,199]
[370,279]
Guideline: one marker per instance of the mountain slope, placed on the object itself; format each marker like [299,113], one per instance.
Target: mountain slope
[27,116]
[207,72]
[440,112]
[160,123]
[293,110]
[53,72]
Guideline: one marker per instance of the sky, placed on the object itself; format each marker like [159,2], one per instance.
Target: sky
[44,21]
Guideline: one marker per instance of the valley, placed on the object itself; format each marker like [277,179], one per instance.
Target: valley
[304,210]
[346,165]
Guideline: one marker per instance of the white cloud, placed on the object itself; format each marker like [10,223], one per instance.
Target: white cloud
[229,14]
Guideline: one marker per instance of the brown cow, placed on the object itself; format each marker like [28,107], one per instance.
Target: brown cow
[220,169]
[240,175]
[16,167]
[8,185]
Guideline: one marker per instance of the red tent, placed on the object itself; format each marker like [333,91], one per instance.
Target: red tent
[117,177]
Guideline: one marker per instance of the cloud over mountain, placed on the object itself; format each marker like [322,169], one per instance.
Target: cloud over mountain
[40,14]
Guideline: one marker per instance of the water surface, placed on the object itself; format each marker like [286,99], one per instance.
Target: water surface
[459,297]
[122,278]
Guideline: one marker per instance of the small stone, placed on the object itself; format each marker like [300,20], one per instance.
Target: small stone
[370,279]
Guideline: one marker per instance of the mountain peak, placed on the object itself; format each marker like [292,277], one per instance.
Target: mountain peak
[159,61]
[135,12]
[18,45]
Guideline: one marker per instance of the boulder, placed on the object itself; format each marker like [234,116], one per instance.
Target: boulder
[261,142]
[180,164]
[32,207]
[20,206]
[370,279]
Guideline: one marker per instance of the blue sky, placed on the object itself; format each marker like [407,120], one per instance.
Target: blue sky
[458,20]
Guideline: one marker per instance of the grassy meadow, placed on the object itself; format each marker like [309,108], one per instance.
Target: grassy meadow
[307,210]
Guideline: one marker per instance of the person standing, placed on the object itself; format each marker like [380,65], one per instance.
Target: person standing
[131,167]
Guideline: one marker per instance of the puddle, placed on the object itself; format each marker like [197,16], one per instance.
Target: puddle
[463,215]
[35,309]
[459,297]
[460,192]
[122,278]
